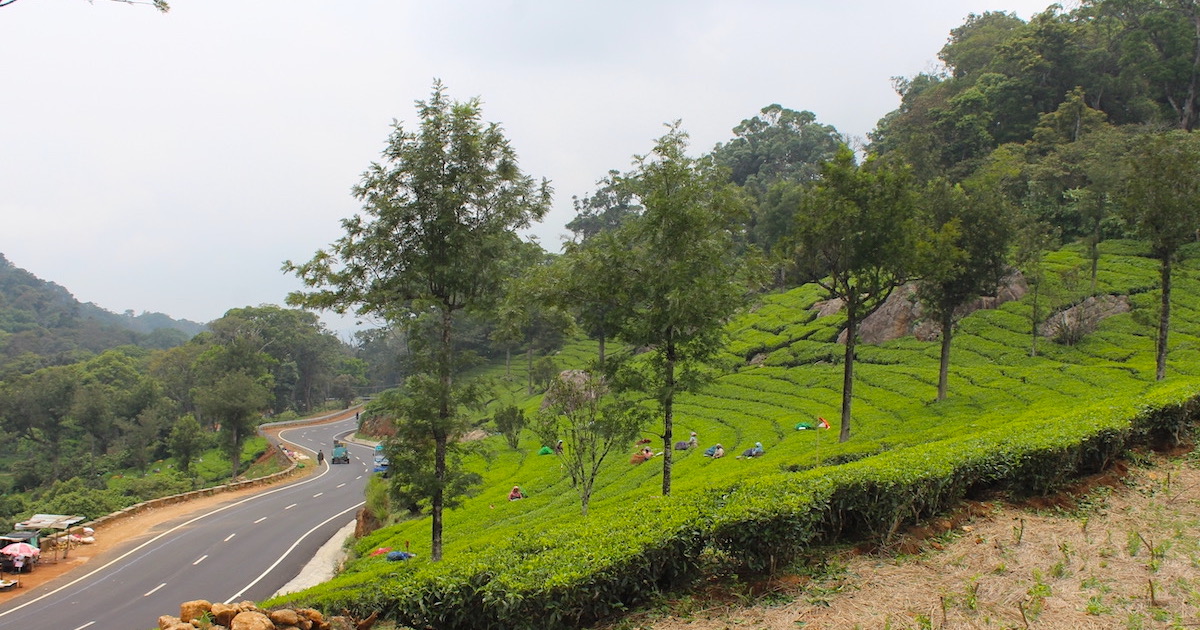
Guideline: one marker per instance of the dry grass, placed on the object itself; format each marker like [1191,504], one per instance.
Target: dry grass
[1119,551]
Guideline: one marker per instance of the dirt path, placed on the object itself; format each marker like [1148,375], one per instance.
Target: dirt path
[1121,554]
[114,538]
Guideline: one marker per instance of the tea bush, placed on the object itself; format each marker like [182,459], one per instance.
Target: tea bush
[1013,422]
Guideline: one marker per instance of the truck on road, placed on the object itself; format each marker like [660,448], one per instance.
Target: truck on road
[341,455]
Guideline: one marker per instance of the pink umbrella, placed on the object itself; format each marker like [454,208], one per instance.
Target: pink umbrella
[20,549]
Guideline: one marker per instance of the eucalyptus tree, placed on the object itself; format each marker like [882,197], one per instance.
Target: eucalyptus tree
[961,254]
[854,233]
[439,216]
[1162,201]
[685,279]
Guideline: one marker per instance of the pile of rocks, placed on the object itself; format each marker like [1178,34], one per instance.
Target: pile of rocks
[247,616]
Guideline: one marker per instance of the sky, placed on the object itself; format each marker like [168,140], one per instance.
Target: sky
[172,162]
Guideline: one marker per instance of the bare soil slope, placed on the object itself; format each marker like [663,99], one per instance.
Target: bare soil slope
[1121,551]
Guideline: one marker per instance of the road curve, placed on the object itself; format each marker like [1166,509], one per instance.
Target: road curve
[245,549]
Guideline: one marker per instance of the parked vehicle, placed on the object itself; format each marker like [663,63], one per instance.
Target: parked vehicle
[381,461]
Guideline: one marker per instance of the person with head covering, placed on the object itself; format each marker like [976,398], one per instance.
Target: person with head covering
[690,444]
[715,451]
[756,451]
[515,494]
[643,455]
[558,447]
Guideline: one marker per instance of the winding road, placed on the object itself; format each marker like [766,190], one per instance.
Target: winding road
[242,550]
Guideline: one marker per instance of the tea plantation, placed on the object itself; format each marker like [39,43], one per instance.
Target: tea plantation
[1011,422]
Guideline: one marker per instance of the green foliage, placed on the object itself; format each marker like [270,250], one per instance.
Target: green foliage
[509,421]
[1016,424]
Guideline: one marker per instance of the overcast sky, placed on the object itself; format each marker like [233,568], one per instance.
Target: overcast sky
[172,162]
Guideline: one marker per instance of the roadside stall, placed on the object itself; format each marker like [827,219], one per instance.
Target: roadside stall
[60,523]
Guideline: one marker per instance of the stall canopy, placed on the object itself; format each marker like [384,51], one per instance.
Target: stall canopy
[60,522]
[49,521]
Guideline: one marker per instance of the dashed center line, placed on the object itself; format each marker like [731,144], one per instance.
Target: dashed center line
[90,623]
[318,494]
[200,559]
[151,591]
[260,520]
[340,485]
[291,506]
[229,537]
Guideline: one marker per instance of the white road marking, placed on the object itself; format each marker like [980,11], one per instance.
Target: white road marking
[151,592]
[90,623]
[318,494]
[292,548]
[200,559]
[89,575]
[291,506]
[229,537]
[260,520]
[340,485]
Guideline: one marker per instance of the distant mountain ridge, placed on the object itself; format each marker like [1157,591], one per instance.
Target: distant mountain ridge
[42,324]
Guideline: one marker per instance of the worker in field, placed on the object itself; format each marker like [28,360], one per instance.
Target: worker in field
[643,455]
[716,451]
[755,451]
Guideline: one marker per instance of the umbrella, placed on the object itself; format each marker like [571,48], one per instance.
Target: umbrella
[20,549]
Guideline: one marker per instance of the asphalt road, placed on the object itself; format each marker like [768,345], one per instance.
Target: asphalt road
[239,551]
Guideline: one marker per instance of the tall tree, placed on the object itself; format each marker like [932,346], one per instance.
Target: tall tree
[604,210]
[186,441]
[961,255]
[778,145]
[686,279]
[441,211]
[591,279]
[236,399]
[1162,200]
[854,233]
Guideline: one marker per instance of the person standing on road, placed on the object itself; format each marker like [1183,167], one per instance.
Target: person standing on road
[320,457]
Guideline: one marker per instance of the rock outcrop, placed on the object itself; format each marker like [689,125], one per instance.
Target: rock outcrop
[247,616]
[901,314]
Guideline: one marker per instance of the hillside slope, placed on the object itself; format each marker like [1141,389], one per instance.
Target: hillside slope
[997,392]
[42,324]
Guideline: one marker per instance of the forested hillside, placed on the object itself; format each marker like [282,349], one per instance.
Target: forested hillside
[97,415]
[42,324]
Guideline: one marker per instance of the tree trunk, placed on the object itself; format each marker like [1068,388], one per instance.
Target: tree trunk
[944,360]
[529,371]
[848,370]
[1094,246]
[236,453]
[1164,320]
[1035,317]
[668,415]
[437,501]
[601,357]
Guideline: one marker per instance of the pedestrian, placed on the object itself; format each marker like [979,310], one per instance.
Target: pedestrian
[320,457]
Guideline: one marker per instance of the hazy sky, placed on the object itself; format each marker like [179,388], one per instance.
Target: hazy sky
[172,162]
